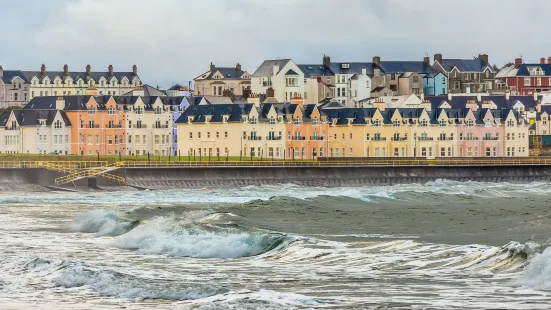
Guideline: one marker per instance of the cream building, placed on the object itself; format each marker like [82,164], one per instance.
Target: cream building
[149,129]
[220,80]
[283,75]
[35,132]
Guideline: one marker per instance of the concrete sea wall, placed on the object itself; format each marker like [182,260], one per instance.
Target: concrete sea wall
[199,177]
[327,176]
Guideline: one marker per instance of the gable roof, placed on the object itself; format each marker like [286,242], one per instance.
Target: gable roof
[226,72]
[76,75]
[267,67]
[405,66]
[315,70]
[353,68]
[9,75]
[465,65]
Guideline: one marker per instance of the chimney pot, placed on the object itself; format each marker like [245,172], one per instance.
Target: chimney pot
[43,69]
[110,69]
[326,61]
[542,61]
[88,70]
[426,60]
[484,58]
[134,70]
[238,67]
[212,67]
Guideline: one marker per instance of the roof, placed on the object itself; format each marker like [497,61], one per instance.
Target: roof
[9,75]
[405,66]
[353,68]
[226,72]
[523,70]
[267,67]
[315,70]
[458,102]
[76,75]
[49,103]
[216,112]
[465,65]
[33,117]
[148,91]
[291,72]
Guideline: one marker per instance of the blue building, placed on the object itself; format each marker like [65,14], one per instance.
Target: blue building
[435,84]
[177,106]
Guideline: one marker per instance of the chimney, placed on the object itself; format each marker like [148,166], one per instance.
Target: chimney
[507,94]
[212,67]
[364,71]
[88,70]
[538,106]
[518,62]
[254,99]
[275,69]
[134,70]
[43,70]
[438,57]
[270,93]
[110,69]
[91,91]
[65,70]
[60,103]
[542,61]
[326,61]
[238,67]
[484,58]
[377,61]
[298,100]
[426,60]
[1,72]
[379,104]
[478,97]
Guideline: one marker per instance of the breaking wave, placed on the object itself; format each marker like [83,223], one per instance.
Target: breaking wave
[103,222]
[168,236]
[537,274]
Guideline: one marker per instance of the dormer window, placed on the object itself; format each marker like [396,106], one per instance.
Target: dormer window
[139,110]
[470,123]
[91,110]
[158,110]
[110,111]
[423,123]
[488,124]
[42,122]
[376,123]
[315,122]
[296,121]
[58,124]
[395,123]
[253,120]
[271,121]
[510,123]
[442,123]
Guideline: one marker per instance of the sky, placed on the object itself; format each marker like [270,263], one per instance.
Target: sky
[174,41]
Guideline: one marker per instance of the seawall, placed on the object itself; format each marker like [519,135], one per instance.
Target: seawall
[197,177]
[238,176]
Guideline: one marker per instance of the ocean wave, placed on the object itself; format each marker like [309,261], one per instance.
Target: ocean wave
[103,222]
[173,237]
[115,284]
[537,274]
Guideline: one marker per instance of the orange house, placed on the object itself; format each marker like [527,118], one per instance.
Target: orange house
[306,131]
[98,125]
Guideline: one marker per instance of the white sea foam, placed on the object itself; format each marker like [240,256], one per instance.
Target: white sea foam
[102,222]
[166,235]
[537,275]
[115,284]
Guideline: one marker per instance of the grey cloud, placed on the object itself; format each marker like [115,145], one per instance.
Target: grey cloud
[174,41]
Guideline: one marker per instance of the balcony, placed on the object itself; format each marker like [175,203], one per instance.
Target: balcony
[160,126]
[267,84]
[274,138]
[471,139]
[139,126]
[12,128]
[399,139]
[425,138]
[113,126]
[490,138]
[92,126]
[252,138]
[379,139]
[318,138]
[298,138]
[445,139]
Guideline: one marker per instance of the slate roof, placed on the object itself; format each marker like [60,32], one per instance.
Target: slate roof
[523,69]
[315,70]
[33,117]
[234,111]
[8,76]
[501,102]
[76,75]
[267,67]
[405,66]
[72,103]
[354,68]
[291,72]
[465,65]
[148,91]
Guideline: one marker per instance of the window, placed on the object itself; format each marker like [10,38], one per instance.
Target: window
[144,139]
[315,122]
[156,139]
[526,81]
[89,139]
[271,121]
[442,123]
[442,152]
[58,125]
[110,111]
[423,123]
[226,134]
[91,110]
[157,110]
[415,79]
[110,140]
[470,123]
[291,82]
[395,123]
[510,123]
[97,139]
[296,121]
[138,138]
[376,123]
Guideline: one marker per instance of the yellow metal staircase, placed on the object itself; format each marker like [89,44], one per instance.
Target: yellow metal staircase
[80,170]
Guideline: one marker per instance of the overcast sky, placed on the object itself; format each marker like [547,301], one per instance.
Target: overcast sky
[175,40]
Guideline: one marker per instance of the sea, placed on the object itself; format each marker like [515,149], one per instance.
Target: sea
[439,245]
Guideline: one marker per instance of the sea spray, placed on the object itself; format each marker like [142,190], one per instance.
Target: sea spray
[102,222]
[169,236]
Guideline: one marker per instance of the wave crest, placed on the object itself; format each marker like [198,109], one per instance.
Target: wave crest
[103,222]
